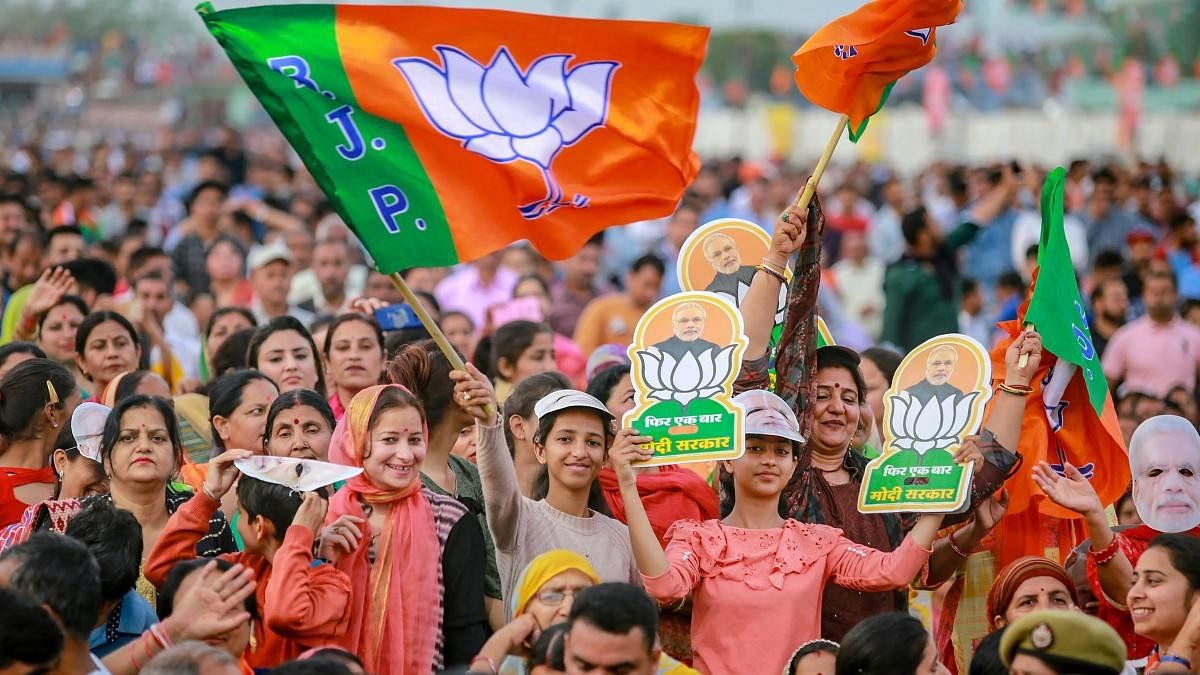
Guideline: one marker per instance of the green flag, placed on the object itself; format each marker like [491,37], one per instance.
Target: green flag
[1055,308]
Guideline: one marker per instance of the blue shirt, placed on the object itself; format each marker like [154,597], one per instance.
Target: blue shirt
[987,256]
[132,617]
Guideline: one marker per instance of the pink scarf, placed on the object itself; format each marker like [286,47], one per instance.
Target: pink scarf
[396,607]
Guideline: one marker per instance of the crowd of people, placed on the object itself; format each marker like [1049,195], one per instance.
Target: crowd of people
[494,518]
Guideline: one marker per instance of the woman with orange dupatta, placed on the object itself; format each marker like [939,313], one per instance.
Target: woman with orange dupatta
[415,558]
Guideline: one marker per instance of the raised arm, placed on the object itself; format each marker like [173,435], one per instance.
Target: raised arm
[306,602]
[1073,491]
[189,524]
[501,492]
[797,356]
[649,554]
[762,298]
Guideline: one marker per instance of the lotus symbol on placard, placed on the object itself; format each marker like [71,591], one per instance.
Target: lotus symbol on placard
[685,378]
[506,115]
[921,427]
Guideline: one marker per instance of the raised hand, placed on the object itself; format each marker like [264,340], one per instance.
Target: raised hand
[222,474]
[311,513]
[473,393]
[1071,491]
[1028,342]
[627,449]
[50,287]
[789,234]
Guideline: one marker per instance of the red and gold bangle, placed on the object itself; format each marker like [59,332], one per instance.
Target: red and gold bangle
[954,547]
[1106,554]
[1016,389]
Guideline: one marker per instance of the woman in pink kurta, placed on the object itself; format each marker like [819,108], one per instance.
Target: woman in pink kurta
[755,577]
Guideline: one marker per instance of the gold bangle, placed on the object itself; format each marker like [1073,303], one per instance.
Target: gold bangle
[768,270]
[1014,390]
[782,269]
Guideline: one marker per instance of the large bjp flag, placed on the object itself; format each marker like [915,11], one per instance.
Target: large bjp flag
[441,135]
[850,65]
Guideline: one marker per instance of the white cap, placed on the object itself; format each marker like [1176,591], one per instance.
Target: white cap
[569,398]
[261,256]
[769,415]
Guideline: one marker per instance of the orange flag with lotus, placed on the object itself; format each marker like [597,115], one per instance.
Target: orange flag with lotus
[443,134]
[851,63]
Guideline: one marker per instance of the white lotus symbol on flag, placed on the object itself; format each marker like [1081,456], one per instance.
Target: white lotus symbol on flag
[921,427]
[506,115]
[687,378]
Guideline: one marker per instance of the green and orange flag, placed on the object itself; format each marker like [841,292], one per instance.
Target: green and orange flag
[850,65]
[441,135]
[1069,415]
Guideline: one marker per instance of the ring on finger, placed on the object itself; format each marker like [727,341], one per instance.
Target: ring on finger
[785,217]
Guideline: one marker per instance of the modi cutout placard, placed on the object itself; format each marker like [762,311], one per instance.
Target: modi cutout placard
[936,400]
[686,353]
[720,257]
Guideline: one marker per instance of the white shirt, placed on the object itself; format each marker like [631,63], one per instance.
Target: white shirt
[860,286]
[306,287]
[183,336]
[1027,231]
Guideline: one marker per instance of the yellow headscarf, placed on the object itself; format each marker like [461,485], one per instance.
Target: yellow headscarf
[544,568]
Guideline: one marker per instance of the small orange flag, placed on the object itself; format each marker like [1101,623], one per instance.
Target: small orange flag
[850,64]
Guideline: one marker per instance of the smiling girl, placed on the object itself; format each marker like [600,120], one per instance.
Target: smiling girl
[754,557]
[1165,602]
[415,558]
[572,439]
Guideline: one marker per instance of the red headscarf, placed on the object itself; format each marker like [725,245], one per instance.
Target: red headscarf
[397,603]
[670,494]
[1016,572]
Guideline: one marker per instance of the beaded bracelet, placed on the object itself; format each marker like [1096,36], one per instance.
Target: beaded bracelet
[1106,554]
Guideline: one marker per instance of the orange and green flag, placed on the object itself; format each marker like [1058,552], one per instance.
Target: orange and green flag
[850,65]
[1069,416]
[441,134]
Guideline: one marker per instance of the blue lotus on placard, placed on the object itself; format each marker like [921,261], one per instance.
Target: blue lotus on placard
[506,115]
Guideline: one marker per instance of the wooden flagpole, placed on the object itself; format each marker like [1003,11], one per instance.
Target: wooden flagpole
[810,188]
[435,331]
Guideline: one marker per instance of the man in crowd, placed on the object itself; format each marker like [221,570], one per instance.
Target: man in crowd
[1110,310]
[576,288]
[1158,351]
[612,628]
[332,282]
[477,286]
[612,318]
[271,277]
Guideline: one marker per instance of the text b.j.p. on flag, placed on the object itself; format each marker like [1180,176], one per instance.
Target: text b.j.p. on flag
[443,134]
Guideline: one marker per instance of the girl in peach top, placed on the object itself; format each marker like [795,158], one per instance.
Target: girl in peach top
[754,559]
